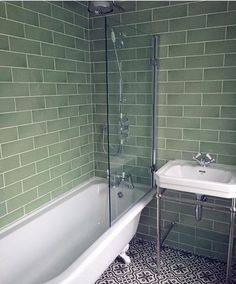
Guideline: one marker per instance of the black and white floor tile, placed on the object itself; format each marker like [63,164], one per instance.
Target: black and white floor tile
[177,267]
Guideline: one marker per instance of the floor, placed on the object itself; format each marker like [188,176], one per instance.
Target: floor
[177,267]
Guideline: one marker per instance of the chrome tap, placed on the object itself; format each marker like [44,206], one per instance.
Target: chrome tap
[203,159]
[127,180]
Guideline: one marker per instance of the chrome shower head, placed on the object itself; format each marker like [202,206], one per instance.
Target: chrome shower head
[100,7]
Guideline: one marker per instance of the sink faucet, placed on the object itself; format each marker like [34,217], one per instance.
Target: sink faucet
[203,159]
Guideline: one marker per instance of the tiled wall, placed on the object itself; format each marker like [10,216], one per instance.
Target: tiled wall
[196,101]
[45,103]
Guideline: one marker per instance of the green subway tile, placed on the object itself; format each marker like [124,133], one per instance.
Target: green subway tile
[220,46]
[18,146]
[151,4]
[54,76]
[229,86]
[9,163]
[64,40]
[57,101]
[232,5]
[172,63]
[65,64]
[206,34]
[13,119]
[25,46]
[185,75]
[1,181]
[58,148]
[21,200]
[185,99]
[204,61]
[4,42]
[67,177]
[11,217]
[51,23]
[220,73]
[75,54]
[60,170]
[30,103]
[62,14]
[47,163]
[5,74]
[11,28]
[71,155]
[69,111]
[76,8]
[10,191]
[212,99]
[34,155]
[188,23]
[78,120]
[13,89]
[170,133]
[8,134]
[2,10]
[22,15]
[173,38]
[171,87]
[207,7]
[76,77]
[218,148]
[154,27]
[44,115]
[12,59]
[58,124]
[31,130]
[218,124]
[37,33]
[231,32]
[66,89]
[26,75]
[222,19]
[186,49]
[203,87]
[38,89]
[170,111]
[7,105]
[183,122]
[230,59]
[3,210]
[182,145]
[228,112]
[19,174]
[203,135]
[35,180]
[201,111]
[74,30]
[69,133]
[41,62]
[37,203]
[169,12]
[52,50]
[37,6]
[228,160]
[228,136]
[136,17]
[46,139]
[49,186]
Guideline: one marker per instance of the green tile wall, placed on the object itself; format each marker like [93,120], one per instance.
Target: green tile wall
[46,132]
[196,100]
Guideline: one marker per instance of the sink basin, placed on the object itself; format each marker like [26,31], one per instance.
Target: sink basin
[215,180]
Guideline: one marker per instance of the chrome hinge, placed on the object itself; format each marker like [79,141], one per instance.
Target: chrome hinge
[154,61]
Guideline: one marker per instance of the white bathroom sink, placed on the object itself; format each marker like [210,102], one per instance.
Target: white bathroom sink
[215,180]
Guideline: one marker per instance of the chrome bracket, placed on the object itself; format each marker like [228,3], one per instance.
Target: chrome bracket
[154,61]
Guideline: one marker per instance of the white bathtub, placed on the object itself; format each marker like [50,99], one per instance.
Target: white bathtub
[69,240]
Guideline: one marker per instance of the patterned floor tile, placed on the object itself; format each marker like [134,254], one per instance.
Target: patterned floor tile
[177,267]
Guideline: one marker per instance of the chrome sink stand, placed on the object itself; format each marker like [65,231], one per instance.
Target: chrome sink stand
[232,210]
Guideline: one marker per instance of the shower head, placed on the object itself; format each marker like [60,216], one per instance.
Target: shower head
[100,7]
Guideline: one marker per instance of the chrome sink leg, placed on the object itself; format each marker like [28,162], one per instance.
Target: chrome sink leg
[231,240]
[158,197]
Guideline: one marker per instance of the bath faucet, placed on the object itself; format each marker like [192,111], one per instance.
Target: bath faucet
[203,159]
[127,180]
